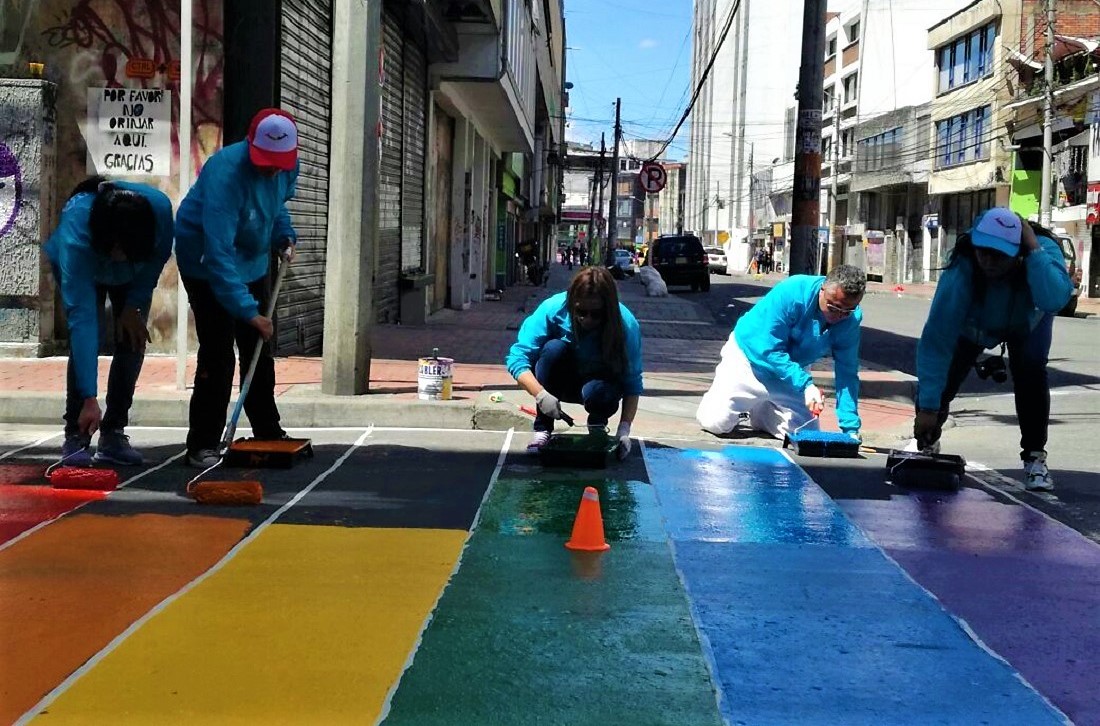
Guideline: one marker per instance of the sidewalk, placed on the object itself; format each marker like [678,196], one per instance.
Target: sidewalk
[679,369]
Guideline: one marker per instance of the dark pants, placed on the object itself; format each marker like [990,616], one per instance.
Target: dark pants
[1027,362]
[217,330]
[125,367]
[556,370]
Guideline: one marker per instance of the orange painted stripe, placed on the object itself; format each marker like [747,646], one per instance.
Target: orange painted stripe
[69,589]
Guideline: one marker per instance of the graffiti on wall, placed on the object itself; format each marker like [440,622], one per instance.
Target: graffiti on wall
[11,189]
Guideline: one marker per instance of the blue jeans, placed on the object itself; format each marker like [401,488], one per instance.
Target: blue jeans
[125,368]
[556,370]
[1027,362]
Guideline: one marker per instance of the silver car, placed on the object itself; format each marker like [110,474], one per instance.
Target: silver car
[716,260]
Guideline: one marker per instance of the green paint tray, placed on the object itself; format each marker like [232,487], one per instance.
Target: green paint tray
[587,451]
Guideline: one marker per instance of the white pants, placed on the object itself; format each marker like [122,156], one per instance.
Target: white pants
[736,391]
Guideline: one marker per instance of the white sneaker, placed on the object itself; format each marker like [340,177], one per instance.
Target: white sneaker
[203,458]
[1037,477]
[539,440]
[912,446]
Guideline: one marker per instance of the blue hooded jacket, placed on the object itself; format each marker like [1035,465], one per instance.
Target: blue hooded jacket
[1002,313]
[229,224]
[551,321]
[80,269]
[786,332]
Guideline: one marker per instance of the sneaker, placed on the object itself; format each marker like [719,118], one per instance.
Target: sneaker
[203,458]
[74,451]
[912,446]
[114,447]
[539,440]
[1037,477]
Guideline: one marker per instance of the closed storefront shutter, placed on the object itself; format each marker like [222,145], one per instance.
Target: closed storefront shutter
[389,190]
[305,92]
[412,188]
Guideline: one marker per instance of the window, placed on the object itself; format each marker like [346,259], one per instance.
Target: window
[853,32]
[963,139]
[966,59]
[879,151]
[830,47]
[827,100]
[851,88]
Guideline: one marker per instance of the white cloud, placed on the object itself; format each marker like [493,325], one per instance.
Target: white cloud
[647,43]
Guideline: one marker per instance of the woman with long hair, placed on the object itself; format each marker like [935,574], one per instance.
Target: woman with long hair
[581,346]
[1002,286]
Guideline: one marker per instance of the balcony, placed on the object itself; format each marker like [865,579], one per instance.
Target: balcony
[494,77]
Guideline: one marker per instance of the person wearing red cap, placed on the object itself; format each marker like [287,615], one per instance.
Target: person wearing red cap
[228,228]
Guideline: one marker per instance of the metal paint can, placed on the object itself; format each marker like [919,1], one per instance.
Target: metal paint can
[434,378]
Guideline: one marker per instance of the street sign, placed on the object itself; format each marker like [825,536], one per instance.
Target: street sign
[653,177]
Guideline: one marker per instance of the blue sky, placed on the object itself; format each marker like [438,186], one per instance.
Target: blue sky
[639,50]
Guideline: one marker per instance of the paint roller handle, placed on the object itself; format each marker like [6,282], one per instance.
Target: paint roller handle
[231,428]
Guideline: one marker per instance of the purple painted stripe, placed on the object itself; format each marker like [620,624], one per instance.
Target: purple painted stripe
[1028,586]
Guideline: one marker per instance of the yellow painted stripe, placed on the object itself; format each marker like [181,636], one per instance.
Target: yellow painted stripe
[306,624]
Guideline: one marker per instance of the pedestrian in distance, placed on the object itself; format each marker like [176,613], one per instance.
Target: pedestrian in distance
[581,346]
[1003,284]
[111,243]
[230,225]
[764,372]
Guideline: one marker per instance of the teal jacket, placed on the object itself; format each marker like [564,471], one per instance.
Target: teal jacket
[1001,314]
[230,223]
[80,270]
[786,331]
[551,321]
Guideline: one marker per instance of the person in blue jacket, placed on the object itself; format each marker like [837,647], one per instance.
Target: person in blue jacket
[112,242]
[764,372]
[1002,286]
[230,225]
[581,346]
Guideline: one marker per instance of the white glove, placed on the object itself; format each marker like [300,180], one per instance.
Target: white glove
[623,435]
[815,400]
[548,404]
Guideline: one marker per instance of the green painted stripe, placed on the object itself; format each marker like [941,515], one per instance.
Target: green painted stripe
[528,631]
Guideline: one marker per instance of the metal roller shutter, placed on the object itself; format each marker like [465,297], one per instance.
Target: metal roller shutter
[412,184]
[389,190]
[305,91]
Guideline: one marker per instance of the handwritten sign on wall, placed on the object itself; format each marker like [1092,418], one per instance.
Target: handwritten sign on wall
[129,132]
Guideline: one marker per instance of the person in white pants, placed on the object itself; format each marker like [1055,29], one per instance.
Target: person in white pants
[764,372]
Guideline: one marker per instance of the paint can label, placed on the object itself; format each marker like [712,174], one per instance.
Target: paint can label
[433,379]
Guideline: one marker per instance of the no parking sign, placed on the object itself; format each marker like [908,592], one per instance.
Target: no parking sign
[653,177]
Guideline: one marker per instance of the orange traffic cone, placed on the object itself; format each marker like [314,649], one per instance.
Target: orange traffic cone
[588,526]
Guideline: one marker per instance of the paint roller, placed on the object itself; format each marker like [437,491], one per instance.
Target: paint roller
[246,492]
[828,444]
[75,477]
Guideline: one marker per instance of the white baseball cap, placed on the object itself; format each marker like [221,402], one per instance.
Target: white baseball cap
[273,139]
[998,229]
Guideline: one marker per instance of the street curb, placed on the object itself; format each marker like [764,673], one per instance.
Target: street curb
[36,408]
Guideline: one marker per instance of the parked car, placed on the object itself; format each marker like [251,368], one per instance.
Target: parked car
[1070,252]
[716,260]
[680,260]
[624,261]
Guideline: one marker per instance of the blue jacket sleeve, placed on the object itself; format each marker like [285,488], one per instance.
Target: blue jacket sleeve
[284,228]
[220,216]
[533,334]
[1047,277]
[76,262]
[941,332]
[141,292]
[632,376]
[766,346]
[846,373]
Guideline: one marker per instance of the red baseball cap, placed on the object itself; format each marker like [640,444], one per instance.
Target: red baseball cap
[273,139]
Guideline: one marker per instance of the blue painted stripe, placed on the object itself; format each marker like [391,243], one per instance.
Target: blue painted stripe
[808,623]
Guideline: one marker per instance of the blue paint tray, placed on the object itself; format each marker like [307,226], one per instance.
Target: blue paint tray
[829,444]
[585,451]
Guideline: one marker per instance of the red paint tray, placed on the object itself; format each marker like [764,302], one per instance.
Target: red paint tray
[277,454]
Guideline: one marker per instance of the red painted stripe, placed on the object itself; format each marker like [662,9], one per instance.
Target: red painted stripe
[25,506]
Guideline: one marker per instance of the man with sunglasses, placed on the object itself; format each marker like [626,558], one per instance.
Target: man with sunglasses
[764,372]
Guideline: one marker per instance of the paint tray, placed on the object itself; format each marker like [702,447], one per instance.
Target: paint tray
[582,451]
[829,444]
[919,470]
[272,454]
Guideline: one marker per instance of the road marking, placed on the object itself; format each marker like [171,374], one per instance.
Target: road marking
[31,445]
[92,662]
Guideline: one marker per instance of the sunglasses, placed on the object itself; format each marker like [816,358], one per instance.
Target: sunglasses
[837,310]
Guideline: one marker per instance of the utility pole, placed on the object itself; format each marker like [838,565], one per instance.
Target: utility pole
[596,254]
[805,212]
[612,214]
[1048,117]
[752,196]
[592,207]
[834,250]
